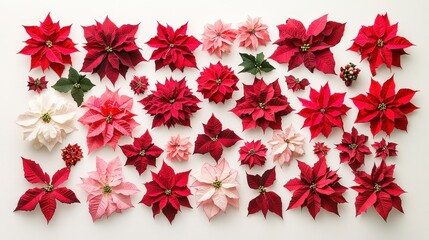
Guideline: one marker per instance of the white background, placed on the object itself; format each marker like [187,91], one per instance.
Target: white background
[74,222]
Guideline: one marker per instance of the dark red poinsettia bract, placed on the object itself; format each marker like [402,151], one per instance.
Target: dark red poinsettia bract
[37,84]
[323,111]
[171,103]
[385,149]
[253,153]
[142,152]
[214,139]
[49,45]
[266,200]
[316,187]
[111,50]
[320,149]
[173,48]
[295,83]
[167,192]
[310,47]
[380,44]
[378,189]
[217,83]
[262,105]
[384,108]
[47,195]
[353,149]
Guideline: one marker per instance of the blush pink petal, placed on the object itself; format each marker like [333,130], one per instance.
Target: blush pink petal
[286,144]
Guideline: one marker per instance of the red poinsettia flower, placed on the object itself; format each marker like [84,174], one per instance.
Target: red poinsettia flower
[142,152]
[383,108]
[139,84]
[295,83]
[71,154]
[37,84]
[323,111]
[167,192]
[352,149]
[385,149]
[262,105]
[214,139]
[217,83]
[316,187]
[253,153]
[49,45]
[45,196]
[311,46]
[378,189]
[111,50]
[380,44]
[320,149]
[266,200]
[172,103]
[173,48]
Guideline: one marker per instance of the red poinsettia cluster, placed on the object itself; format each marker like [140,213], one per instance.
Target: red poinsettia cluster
[295,83]
[139,84]
[353,149]
[111,50]
[384,149]
[262,105]
[253,153]
[171,103]
[320,149]
[174,48]
[49,45]
[310,47]
[71,154]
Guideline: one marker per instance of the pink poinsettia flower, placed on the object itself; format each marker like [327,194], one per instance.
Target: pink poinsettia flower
[286,145]
[178,148]
[216,188]
[253,33]
[107,191]
[108,118]
[218,38]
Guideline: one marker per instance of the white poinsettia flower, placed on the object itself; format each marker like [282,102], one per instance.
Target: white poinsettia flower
[48,120]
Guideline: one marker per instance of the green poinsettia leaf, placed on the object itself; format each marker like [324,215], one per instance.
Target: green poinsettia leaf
[255,65]
[73,75]
[85,84]
[63,85]
[266,66]
[260,58]
[77,94]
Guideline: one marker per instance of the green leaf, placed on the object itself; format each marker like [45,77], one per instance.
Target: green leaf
[73,75]
[260,58]
[266,66]
[254,64]
[86,84]
[77,95]
[63,85]
[247,57]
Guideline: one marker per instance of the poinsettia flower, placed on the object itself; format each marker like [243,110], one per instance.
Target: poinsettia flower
[323,111]
[378,189]
[217,83]
[296,84]
[253,153]
[214,139]
[111,50]
[253,33]
[316,187]
[266,200]
[384,108]
[173,48]
[142,152]
[37,84]
[353,149]
[49,45]
[320,149]
[380,44]
[310,47]
[71,154]
[108,118]
[218,38]
[178,148]
[384,149]
[48,120]
[349,73]
[286,145]
[167,192]
[171,103]
[44,196]
[262,105]
[216,188]
[139,84]
[107,191]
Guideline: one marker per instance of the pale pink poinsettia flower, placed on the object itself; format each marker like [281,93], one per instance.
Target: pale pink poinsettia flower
[216,188]
[253,33]
[107,191]
[178,148]
[286,145]
[218,38]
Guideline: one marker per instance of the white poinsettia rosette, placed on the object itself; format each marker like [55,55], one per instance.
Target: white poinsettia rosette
[48,120]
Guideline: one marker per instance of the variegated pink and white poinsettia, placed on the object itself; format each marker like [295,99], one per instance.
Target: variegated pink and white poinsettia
[216,188]
[286,144]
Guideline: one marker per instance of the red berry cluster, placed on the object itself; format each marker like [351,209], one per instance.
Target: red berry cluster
[349,73]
